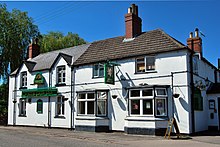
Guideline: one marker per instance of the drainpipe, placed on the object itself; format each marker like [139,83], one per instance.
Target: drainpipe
[72,96]
[192,88]
[14,101]
[49,105]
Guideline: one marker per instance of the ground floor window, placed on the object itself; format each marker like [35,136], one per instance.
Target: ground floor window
[39,106]
[60,106]
[148,102]
[92,103]
[22,107]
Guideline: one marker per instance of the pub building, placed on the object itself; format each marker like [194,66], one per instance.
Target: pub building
[133,83]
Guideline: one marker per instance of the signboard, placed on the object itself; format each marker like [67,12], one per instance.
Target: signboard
[39,92]
[39,79]
[109,75]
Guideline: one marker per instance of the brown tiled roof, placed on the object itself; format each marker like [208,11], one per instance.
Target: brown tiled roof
[115,48]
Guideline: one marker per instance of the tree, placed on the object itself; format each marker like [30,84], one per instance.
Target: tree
[56,40]
[3,103]
[16,30]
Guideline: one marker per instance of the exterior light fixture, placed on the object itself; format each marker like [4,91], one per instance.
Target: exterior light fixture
[176,95]
[114,96]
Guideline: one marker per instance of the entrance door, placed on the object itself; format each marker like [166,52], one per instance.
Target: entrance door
[219,113]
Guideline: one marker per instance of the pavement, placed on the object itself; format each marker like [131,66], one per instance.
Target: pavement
[64,137]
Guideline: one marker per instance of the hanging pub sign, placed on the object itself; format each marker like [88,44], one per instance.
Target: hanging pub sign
[109,75]
[39,79]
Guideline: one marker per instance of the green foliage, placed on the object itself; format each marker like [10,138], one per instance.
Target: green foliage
[56,40]
[16,30]
[3,99]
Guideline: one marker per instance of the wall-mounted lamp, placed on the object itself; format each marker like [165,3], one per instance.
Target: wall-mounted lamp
[176,95]
[114,96]
[143,84]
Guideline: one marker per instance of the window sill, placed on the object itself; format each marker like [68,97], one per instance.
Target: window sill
[97,77]
[146,72]
[22,115]
[23,88]
[61,117]
[91,117]
[146,118]
[59,85]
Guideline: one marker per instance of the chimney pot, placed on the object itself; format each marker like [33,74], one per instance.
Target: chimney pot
[196,32]
[191,35]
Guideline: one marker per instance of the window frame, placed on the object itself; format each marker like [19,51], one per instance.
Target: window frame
[39,102]
[63,75]
[22,107]
[154,97]
[146,70]
[141,99]
[62,106]
[95,100]
[100,66]
[23,79]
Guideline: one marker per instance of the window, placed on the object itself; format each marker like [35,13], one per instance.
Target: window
[98,70]
[143,102]
[86,103]
[24,79]
[22,107]
[101,103]
[61,74]
[39,106]
[195,64]
[198,100]
[144,64]
[60,106]
[92,103]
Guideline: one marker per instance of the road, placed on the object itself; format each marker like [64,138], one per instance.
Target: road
[43,137]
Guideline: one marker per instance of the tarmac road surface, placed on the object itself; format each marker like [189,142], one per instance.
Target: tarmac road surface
[43,137]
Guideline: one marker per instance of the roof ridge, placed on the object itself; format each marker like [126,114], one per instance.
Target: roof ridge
[60,50]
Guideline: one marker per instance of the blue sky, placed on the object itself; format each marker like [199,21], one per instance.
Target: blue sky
[98,20]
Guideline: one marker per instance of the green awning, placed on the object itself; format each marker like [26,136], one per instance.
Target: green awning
[39,92]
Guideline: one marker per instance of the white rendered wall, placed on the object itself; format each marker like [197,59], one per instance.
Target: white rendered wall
[117,108]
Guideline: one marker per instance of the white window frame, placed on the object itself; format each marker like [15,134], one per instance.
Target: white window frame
[61,70]
[95,100]
[86,100]
[145,64]
[62,105]
[23,79]
[141,99]
[98,70]
[154,97]
[157,95]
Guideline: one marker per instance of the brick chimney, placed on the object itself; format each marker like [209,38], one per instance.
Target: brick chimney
[33,49]
[195,43]
[133,26]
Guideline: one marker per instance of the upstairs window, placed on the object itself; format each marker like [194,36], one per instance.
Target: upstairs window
[23,79]
[98,70]
[61,75]
[144,64]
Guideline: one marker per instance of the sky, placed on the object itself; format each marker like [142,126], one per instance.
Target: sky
[98,20]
